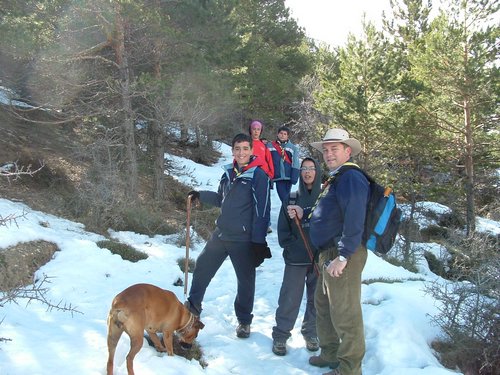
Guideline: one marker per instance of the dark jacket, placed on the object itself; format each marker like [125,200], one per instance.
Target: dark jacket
[339,218]
[294,249]
[286,167]
[245,203]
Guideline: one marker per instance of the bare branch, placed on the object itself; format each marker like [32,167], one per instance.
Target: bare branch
[14,170]
[11,218]
[36,292]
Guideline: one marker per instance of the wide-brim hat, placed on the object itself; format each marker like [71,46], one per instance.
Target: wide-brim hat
[338,135]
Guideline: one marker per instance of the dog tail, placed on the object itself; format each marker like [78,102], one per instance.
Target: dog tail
[117,317]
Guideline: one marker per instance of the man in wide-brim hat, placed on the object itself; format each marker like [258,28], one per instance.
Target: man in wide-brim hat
[341,136]
[336,229]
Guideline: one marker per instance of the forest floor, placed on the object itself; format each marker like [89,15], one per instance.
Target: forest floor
[31,146]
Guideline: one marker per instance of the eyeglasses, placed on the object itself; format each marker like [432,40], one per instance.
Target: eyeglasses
[307,169]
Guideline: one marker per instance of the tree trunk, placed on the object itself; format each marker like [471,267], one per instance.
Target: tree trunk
[469,171]
[130,159]
[158,135]
[158,151]
[184,133]
[469,158]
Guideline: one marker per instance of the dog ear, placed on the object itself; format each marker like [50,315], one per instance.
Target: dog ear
[199,324]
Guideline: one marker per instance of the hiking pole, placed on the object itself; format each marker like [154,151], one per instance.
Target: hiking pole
[188,243]
[308,248]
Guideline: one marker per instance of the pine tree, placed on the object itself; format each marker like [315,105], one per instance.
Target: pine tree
[356,95]
[456,65]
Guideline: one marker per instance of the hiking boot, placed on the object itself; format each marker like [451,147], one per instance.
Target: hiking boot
[335,371]
[317,361]
[312,344]
[279,347]
[243,331]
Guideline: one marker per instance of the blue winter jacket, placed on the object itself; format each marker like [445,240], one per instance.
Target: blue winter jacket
[339,218]
[245,203]
[283,169]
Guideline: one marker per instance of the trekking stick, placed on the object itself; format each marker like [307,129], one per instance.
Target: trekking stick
[188,240]
[308,248]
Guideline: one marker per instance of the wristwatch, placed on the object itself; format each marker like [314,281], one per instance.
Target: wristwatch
[342,258]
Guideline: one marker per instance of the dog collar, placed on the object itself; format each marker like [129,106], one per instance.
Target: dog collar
[188,325]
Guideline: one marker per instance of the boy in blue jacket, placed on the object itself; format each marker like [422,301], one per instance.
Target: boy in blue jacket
[241,229]
[285,156]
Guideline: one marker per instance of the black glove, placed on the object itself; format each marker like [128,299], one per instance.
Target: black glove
[260,251]
[194,195]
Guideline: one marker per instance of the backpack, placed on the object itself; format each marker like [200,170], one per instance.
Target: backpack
[383,216]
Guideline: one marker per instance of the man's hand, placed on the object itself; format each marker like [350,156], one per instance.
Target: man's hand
[261,251]
[194,195]
[336,267]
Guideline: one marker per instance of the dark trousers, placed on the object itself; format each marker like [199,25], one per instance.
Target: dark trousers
[295,278]
[283,189]
[209,262]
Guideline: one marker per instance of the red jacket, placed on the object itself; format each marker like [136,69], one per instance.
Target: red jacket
[262,152]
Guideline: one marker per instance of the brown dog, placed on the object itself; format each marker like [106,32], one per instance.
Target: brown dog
[147,307]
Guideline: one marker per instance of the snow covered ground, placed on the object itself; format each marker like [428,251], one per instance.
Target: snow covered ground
[41,342]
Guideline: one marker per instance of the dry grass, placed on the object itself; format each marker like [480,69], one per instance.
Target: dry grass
[19,263]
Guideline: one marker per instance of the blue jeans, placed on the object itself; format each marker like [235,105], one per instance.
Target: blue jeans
[283,189]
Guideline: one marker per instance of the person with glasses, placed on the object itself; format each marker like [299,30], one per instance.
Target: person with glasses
[299,273]
[240,233]
[285,156]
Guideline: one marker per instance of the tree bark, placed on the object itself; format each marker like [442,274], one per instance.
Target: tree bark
[157,132]
[130,158]
[469,149]
[469,172]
